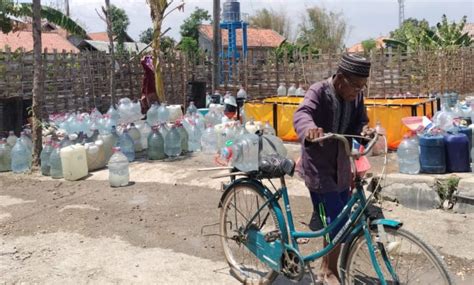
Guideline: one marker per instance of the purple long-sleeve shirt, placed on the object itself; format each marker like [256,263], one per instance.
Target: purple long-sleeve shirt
[326,168]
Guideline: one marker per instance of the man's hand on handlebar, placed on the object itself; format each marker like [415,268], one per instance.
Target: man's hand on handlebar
[315,133]
[367,132]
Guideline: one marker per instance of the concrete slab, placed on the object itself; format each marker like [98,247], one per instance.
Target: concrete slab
[465,196]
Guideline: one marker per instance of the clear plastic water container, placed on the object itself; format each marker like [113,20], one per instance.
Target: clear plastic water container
[173,143]
[209,141]
[242,153]
[156,145]
[292,90]
[408,156]
[119,174]
[127,145]
[5,156]
[281,91]
[55,165]
[44,157]
[74,162]
[21,157]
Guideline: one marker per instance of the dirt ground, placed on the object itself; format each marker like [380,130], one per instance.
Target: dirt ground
[60,232]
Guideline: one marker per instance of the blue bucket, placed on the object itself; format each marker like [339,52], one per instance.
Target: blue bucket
[203,111]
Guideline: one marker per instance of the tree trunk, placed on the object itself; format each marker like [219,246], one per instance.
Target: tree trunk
[112,52]
[37,83]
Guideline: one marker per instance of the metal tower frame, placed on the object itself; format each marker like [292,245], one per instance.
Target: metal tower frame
[401,12]
[232,53]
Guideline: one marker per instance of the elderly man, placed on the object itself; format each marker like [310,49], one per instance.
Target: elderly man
[334,105]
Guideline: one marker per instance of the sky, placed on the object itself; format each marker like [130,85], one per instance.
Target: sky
[365,18]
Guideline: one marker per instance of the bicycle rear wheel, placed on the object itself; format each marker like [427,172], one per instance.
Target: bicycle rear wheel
[238,208]
[413,260]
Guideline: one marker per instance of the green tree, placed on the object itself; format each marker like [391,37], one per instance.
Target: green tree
[190,26]
[271,19]
[167,45]
[146,36]
[410,34]
[368,45]
[120,23]
[323,29]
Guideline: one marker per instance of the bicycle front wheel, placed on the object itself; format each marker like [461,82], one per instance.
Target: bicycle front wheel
[413,261]
[238,207]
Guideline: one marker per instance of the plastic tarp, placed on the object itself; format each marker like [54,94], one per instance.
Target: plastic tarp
[388,111]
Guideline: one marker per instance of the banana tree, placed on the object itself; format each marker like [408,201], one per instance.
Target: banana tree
[158,8]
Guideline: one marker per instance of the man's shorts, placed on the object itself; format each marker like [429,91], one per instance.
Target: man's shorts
[326,208]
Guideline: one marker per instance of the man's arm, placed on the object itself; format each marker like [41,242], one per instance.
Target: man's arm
[303,119]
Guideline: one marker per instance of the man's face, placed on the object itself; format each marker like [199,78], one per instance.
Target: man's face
[350,86]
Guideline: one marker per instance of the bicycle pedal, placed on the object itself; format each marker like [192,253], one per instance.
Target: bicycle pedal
[272,236]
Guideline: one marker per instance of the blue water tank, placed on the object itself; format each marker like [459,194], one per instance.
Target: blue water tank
[432,154]
[457,152]
[468,133]
[231,11]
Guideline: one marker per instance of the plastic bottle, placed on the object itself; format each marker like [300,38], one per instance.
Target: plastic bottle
[408,156]
[163,113]
[183,134]
[21,157]
[11,140]
[194,143]
[281,91]
[173,143]
[44,157]
[135,135]
[379,147]
[5,156]
[55,165]
[242,153]
[113,113]
[444,118]
[209,141]
[119,174]
[152,115]
[300,91]
[292,90]
[242,94]
[96,156]
[191,109]
[145,131]
[272,145]
[127,146]
[27,141]
[156,145]
[268,129]
[74,162]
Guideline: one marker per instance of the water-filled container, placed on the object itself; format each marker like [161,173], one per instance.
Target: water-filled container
[272,145]
[156,145]
[119,174]
[152,115]
[191,110]
[292,90]
[27,141]
[281,91]
[21,157]
[194,143]
[163,113]
[432,154]
[408,156]
[209,141]
[127,146]
[457,152]
[231,11]
[268,129]
[468,132]
[11,140]
[74,162]
[184,135]
[5,156]
[145,131]
[44,157]
[55,165]
[135,135]
[96,156]
[175,112]
[173,143]
[252,126]
[109,141]
[243,153]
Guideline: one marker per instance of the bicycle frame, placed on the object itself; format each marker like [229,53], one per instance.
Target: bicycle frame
[357,222]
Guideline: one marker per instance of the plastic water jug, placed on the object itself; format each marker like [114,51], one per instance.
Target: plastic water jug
[243,153]
[281,91]
[191,109]
[109,142]
[173,143]
[468,132]
[127,146]
[184,135]
[152,115]
[145,131]
[5,156]
[242,94]
[300,91]
[164,129]
[432,154]
[444,118]
[252,126]
[119,174]
[209,141]
[163,113]
[272,145]
[27,141]
[408,156]
[135,135]
[96,156]
[156,145]
[74,162]
[268,129]
[11,140]
[194,143]
[380,145]
[55,165]
[44,157]
[175,112]
[457,152]
[113,113]
[21,157]
[292,90]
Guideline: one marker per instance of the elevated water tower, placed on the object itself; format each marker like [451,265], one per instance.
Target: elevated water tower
[231,22]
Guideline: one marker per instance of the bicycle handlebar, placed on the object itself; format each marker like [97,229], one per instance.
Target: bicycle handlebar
[343,138]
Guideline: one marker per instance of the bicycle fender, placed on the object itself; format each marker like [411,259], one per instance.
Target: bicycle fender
[386,222]
[265,193]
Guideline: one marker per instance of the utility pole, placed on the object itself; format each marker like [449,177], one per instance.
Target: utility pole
[401,12]
[216,33]
[66,4]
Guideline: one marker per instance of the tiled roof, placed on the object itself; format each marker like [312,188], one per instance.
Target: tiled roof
[103,37]
[255,37]
[24,40]
[469,27]
[358,47]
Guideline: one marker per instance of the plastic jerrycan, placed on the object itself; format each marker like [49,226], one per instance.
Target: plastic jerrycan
[74,162]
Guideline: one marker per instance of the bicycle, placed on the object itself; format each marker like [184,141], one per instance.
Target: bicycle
[260,241]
